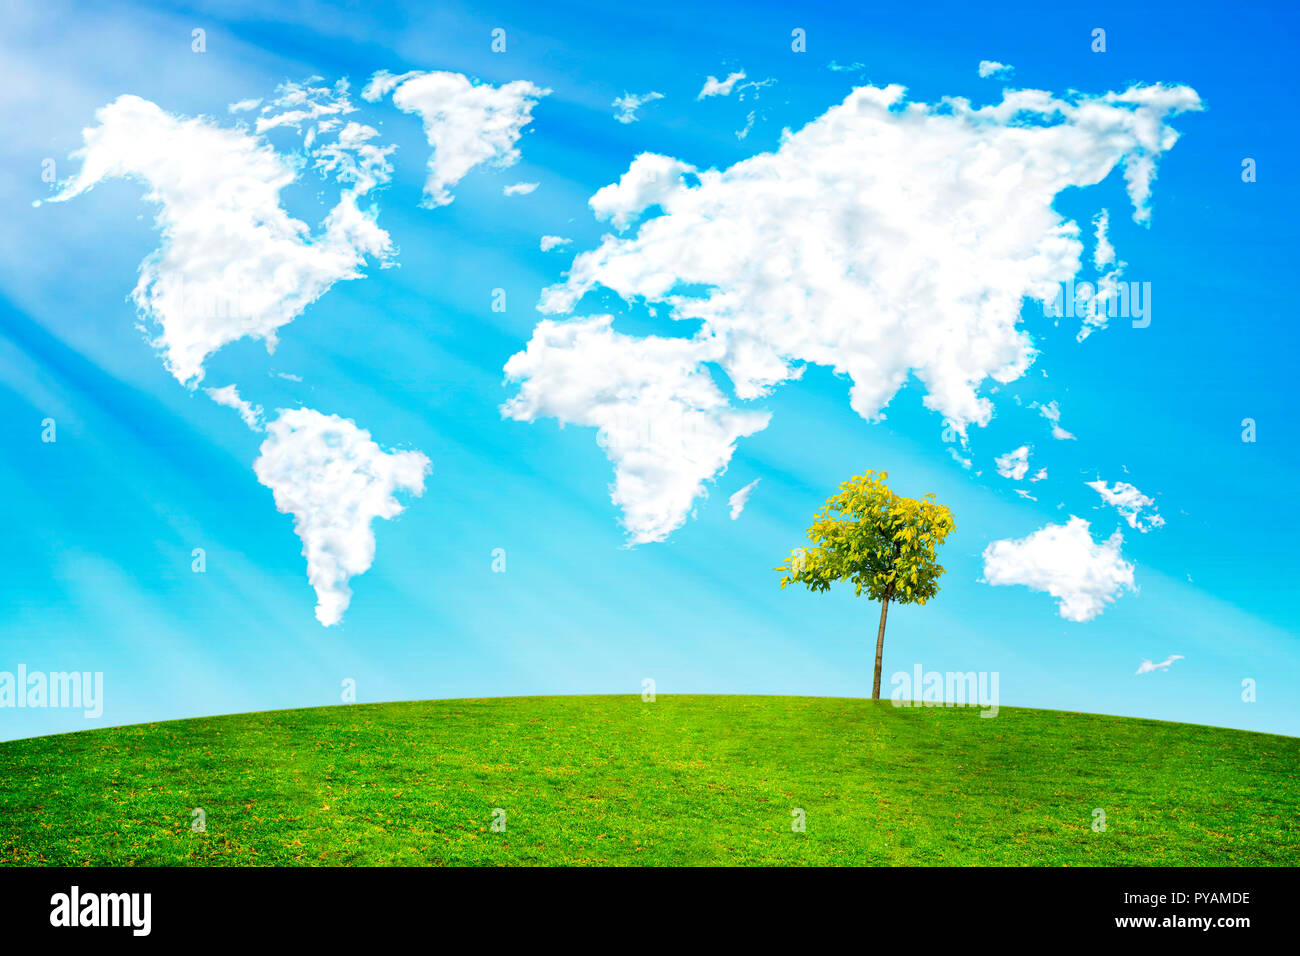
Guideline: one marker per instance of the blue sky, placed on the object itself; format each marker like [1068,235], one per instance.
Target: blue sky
[101,524]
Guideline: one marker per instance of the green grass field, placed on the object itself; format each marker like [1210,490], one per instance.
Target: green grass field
[682,780]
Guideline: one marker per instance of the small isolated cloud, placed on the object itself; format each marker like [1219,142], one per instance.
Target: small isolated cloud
[994,68]
[1052,412]
[741,498]
[1146,667]
[1038,475]
[1063,560]
[957,457]
[1024,494]
[1095,303]
[1014,464]
[243,106]
[300,104]
[748,127]
[553,242]
[751,88]
[661,420]
[520,189]
[629,103]
[1130,503]
[228,396]
[715,87]
[466,123]
[335,481]
[1103,253]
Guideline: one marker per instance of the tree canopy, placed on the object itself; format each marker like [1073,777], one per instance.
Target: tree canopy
[883,543]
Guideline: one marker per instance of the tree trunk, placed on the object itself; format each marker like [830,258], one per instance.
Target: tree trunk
[880,648]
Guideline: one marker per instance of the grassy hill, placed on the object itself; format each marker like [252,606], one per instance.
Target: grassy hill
[686,779]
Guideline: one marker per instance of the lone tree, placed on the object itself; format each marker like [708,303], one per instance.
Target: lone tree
[884,543]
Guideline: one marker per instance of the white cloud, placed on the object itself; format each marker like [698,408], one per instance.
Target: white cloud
[1129,502]
[1038,475]
[854,246]
[299,103]
[715,87]
[335,481]
[520,189]
[629,103]
[662,421]
[752,87]
[553,242]
[739,499]
[228,395]
[467,124]
[1153,138]
[883,240]
[1146,667]
[748,128]
[1014,464]
[352,158]
[1103,254]
[232,262]
[1094,301]
[650,180]
[1052,412]
[244,106]
[994,68]
[1063,560]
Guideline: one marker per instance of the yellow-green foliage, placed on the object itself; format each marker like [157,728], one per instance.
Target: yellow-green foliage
[885,544]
